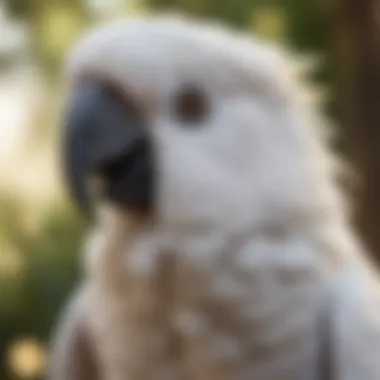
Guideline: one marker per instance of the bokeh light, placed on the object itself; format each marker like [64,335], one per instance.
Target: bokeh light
[26,358]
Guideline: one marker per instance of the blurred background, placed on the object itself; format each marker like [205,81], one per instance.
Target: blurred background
[40,232]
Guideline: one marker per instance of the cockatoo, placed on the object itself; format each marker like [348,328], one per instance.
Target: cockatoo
[221,248]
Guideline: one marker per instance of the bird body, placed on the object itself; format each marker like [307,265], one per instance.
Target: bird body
[246,266]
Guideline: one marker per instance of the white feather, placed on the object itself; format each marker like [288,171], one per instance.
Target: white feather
[251,229]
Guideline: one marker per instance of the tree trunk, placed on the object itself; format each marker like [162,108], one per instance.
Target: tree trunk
[358,72]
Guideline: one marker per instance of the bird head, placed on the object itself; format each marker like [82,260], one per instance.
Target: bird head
[191,123]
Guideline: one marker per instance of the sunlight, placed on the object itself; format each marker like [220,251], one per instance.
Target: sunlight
[26,358]
[27,167]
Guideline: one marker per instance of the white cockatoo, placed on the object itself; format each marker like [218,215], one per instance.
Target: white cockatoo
[222,249]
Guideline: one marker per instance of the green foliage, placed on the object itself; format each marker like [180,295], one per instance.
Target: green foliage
[32,297]
[54,25]
[234,12]
[310,26]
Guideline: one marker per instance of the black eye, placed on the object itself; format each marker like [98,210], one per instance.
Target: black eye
[191,105]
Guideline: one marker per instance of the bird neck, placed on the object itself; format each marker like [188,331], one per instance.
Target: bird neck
[126,244]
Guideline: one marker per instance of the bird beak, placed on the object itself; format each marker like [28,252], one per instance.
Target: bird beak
[105,136]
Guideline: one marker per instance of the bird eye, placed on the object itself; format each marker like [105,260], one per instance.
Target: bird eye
[191,105]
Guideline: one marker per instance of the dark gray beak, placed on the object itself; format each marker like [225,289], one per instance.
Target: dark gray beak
[106,137]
